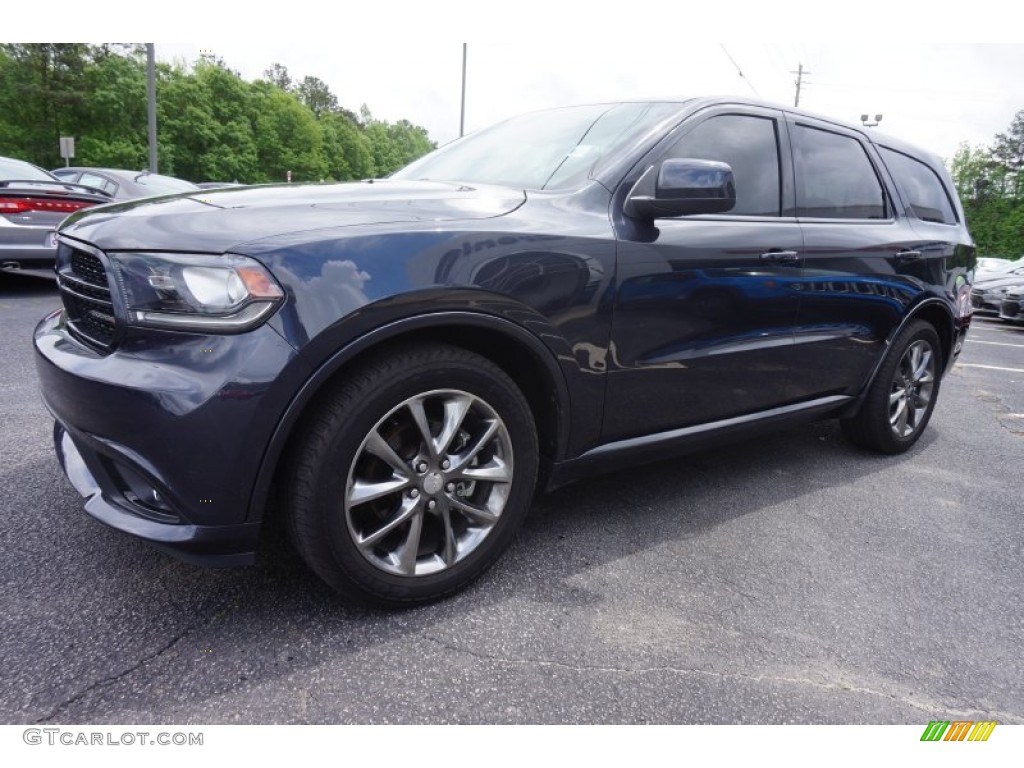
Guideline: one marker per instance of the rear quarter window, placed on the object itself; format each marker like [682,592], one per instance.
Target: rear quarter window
[925,194]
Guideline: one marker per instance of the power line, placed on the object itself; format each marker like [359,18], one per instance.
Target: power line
[800,72]
[740,71]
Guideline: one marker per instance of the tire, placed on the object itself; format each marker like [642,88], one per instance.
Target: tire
[390,520]
[902,397]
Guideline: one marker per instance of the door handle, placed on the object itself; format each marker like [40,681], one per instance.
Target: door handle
[909,255]
[781,257]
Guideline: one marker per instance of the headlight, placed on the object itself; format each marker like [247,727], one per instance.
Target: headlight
[195,292]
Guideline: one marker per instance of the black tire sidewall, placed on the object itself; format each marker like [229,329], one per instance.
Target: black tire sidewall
[365,410]
[918,331]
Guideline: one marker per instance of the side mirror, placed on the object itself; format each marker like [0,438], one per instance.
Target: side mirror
[682,187]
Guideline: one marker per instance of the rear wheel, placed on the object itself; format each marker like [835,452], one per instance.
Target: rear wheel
[412,476]
[902,397]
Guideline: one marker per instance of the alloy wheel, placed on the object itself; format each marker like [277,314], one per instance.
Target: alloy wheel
[912,389]
[428,483]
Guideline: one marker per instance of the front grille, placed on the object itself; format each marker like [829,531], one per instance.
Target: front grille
[85,291]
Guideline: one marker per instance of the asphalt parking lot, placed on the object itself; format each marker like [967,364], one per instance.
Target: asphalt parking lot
[788,579]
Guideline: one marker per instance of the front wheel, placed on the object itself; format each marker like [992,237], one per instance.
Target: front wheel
[413,475]
[902,397]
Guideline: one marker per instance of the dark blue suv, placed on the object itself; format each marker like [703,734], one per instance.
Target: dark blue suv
[395,366]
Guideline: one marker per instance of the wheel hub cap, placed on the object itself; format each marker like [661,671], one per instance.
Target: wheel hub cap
[433,483]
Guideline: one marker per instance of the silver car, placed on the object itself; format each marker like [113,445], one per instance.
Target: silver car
[32,204]
[123,184]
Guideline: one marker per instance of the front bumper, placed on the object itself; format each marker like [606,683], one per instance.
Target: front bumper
[165,437]
[1012,309]
[109,502]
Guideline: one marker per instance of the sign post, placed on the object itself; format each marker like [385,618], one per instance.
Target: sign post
[67,149]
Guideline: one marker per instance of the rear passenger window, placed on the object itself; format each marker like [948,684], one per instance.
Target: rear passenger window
[925,193]
[749,145]
[835,178]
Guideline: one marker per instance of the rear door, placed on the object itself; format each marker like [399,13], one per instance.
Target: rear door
[864,263]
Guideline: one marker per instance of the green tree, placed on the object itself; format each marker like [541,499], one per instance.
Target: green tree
[347,149]
[277,74]
[288,137]
[315,94]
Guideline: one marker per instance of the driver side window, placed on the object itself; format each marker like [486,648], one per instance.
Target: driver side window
[750,146]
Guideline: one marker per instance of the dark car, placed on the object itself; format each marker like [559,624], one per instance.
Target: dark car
[987,295]
[1011,308]
[32,204]
[392,368]
[126,185]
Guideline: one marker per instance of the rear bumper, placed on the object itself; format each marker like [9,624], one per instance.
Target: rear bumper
[26,247]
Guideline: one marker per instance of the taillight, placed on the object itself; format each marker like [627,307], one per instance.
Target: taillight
[26,204]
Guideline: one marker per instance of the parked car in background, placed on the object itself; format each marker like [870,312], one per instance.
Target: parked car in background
[990,266]
[217,184]
[32,204]
[394,366]
[1011,308]
[126,185]
[987,295]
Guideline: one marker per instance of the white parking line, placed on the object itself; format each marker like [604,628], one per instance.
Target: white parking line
[997,343]
[989,367]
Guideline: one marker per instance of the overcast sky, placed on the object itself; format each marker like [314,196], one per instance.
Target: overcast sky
[396,56]
[934,95]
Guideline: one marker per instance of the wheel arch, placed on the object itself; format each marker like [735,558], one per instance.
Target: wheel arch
[517,351]
[933,311]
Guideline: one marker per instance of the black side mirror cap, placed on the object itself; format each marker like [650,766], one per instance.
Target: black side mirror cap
[683,187]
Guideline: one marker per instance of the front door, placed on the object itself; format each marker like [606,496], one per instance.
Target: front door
[706,305]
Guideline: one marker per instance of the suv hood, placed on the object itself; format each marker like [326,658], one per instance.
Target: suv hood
[218,220]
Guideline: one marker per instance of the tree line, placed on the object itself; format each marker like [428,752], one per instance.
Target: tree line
[212,124]
[990,183]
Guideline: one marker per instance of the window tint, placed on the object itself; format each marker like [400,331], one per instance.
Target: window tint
[750,146]
[835,178]
[922,187]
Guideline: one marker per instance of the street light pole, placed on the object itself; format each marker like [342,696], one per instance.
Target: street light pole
[151,98]
[462,114]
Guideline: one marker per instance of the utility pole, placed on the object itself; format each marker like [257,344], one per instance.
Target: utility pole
[151,98]
[800,72]
[462,114]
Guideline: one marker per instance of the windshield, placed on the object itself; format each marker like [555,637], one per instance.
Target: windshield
[19,170]
[554,149]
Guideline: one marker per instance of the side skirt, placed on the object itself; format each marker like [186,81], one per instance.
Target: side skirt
[647,448]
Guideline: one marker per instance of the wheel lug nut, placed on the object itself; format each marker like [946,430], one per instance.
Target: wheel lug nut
[450,487]
[421,466]
[413,493]
[445,464]
[431,504]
